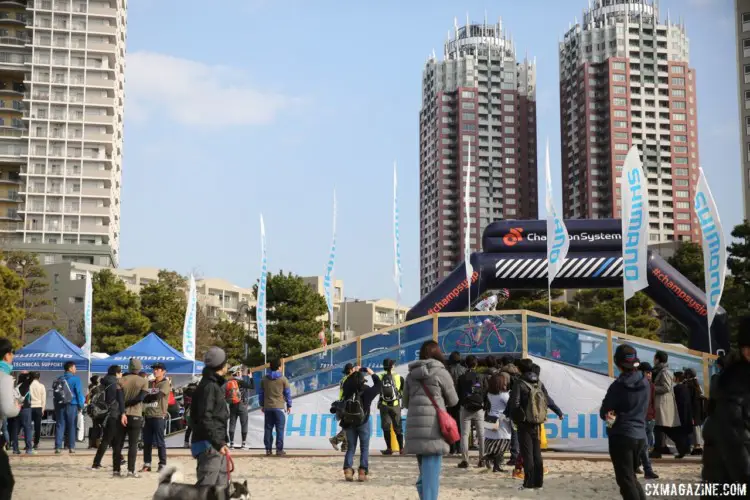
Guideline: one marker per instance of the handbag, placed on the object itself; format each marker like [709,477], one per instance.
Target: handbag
[491,423]
[448,426]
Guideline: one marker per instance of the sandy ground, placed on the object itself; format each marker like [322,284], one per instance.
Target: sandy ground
[322,478]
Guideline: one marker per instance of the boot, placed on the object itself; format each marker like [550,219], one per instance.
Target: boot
[349,475]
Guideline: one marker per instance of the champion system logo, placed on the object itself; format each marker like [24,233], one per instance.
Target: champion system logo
[513,237]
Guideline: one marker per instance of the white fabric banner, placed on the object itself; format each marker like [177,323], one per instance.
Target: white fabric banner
[87,315]
[558,240]
[188,331]
[714,246]
[260,308]
[634,195]
[467,229]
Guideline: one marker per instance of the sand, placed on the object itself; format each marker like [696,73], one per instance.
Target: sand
[69,477]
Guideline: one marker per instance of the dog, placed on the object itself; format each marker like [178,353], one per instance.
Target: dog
[167,490]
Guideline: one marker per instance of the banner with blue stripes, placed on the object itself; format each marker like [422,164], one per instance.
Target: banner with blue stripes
[328,279]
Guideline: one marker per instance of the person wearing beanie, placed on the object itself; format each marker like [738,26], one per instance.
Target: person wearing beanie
[275,399]
[726,434]
[624,409]
[667,417]
[134,391]
[209,414]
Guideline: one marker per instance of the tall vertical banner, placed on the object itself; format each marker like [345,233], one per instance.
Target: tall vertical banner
[467,229]
[260,310]
[188,330]
[634,195]
[328,279]
[558,240]
[714,248]
[397,277]
[87,317]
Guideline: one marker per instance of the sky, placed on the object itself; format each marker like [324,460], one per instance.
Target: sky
[240,107]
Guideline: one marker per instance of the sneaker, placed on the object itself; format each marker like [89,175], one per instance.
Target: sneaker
[281,453]
[463,465]
[72,452]
[651,475]
[231,446]
[362,476]
[697,451]
[97,467]
[334,443]
[161,468]
[117,474]
[245,446]
[30,452]
[349,475]
[146,468]
[639,471]
[58,451]
[186,445]
[16,452]
[402,452]
[518,474]
[269,453]
[133,475]
[482,464]
[387,452]
[512,461]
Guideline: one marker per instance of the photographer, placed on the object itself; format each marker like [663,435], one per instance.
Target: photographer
[358,398]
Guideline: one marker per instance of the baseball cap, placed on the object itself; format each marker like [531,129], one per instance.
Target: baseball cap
[158,366]
[347,368]
[626,357]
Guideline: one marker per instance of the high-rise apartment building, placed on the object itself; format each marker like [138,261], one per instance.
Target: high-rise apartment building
[742,23]
[625,79]
[61,123]
[478,109]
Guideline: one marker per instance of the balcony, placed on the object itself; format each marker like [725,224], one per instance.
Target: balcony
[11,196]
[94,229]
[100,192]
[99,119]
[102,28]
[13,59]
[18,18]
[93,137]
[103,11]
[13,40]
[108,48]
[17,106]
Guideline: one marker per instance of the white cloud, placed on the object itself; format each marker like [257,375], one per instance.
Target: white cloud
[195,93]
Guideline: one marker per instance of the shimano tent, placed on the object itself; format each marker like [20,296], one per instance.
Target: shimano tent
[49,353]
[150,350]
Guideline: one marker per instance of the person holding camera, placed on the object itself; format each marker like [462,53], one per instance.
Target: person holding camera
[391,392]
[355,418]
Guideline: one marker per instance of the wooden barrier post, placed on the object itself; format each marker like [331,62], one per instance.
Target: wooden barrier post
[610,355]
[524,335]
[435,327]
[706,376]
[359,351]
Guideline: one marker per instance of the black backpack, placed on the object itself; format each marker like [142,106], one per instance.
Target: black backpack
[352,411]
[98,407]
[474,400]
[61,393]
[389,393]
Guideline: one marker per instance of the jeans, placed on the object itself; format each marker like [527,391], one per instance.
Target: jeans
[113,433]
[678,435]
[235,411]
[133,433]
[66,417]
[361,433]
[645,461]
[515,449]
[390,417]
[275,418]
[428,482]
[531,451]
[624,452]
[650,424]
[23,421]
[212,469]
[153,435]
[455,412]
[6,477]
[36,418]
[188,433]
[467,417]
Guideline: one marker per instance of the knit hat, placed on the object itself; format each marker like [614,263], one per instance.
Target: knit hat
[215,358]
[135,365]
[626,357]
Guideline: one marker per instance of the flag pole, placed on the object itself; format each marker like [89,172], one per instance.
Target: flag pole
[625,311]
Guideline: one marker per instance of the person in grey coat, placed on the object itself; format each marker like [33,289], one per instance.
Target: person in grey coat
[667,418]
[423,436]
[9,408]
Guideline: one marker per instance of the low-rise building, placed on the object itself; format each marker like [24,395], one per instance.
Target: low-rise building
[358,317]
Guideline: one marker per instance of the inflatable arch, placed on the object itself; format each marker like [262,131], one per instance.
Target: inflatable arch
[515,257]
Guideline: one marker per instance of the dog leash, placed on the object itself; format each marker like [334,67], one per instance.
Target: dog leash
[230,467]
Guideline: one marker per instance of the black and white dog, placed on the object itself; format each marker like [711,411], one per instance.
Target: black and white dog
[168,490]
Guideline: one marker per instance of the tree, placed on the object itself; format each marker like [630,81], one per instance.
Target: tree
[164,304]
[10,314]
[537,301]
[34,302]
[604,308]
[231,337]
[688,260]
[738,260]
[117,322]
[292,315]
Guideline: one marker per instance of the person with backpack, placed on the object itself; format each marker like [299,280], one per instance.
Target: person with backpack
[69,401]
[38,405]
[508,366]
[472,392]
[237,394]
[8,409]
[456,369]
[134,391]
[341,436]
[95,431]
[275,396]
[391,392]
[527,408]
[187,399]
[155,413]
[108,405]
[23,420]
[355,418]
[624,409]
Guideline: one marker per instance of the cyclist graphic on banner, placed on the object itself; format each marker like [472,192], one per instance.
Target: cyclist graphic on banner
[486,305]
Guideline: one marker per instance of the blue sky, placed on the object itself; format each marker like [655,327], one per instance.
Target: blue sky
[237,107]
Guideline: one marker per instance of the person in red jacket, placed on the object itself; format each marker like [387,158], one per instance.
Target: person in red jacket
[650,423]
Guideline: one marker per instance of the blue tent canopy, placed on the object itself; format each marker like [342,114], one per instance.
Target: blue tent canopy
[149,350]
[49,353]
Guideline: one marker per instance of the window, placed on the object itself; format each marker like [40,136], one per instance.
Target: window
[678,81]
[620,101]
[468,116]
[509,160]
[746,17]
[509,119]
[681,182]
[678,92]
[467,94]
[618,65]
[680,149]
[683,227]
[679,138]
[620,157]
[508,97]
[618,89]
[682,194]
[509,130]
[468,138]
[510,170]
[680,171]
[621,135]
[510,140]
[618,77]
[510,151]
[680,161]
[469,127]
[467,105]
[678,70]
[510,190]
[621,124]
[621,146]
[683,204]
[679,127]
[679,116]
[683,216]
[509,108]
[678,105]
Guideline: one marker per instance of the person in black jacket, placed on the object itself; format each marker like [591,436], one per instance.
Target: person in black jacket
[187,399]
[23,420]
[472,392]
[685,412]
[209,415]
[529,434]
[624,409]
[697,403]
[112,429]
[726,433]
[456,369]
[355,384]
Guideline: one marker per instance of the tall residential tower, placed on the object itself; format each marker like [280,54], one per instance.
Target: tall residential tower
[742,23]
[61,123]
[625,79]
[477,99]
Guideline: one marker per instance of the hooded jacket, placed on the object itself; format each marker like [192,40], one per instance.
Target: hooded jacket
[423,435]
[275,392]
[209,412]
[628,397]
[75,389]
[519,397]
[113,395]
[726,433]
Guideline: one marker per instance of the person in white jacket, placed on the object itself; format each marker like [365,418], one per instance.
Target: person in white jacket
[38,405]
[8,409]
